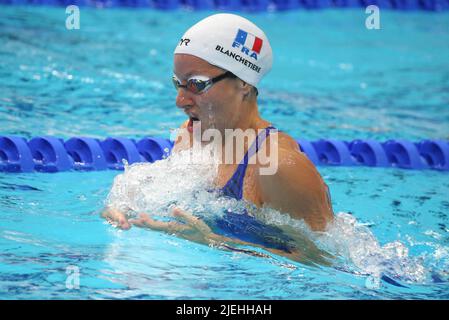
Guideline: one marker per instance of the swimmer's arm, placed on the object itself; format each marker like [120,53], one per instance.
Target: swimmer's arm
[298,189]
[116,217]
[191,228]
[194,229]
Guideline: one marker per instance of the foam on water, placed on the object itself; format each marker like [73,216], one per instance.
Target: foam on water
[358,251]
[361,252]
[155,188]
[183,180]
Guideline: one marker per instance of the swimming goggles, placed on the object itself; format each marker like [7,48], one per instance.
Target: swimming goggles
[199,84]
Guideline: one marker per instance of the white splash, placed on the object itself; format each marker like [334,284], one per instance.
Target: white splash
[362,252]
[154,188]
[178,181]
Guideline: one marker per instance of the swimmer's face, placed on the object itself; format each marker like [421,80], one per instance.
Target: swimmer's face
[218,107]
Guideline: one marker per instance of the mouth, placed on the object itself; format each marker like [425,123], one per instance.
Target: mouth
[190,124]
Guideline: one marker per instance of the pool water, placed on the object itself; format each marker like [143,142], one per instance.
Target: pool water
[332,78]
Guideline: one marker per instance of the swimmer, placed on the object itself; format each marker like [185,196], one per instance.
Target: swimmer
[218,64]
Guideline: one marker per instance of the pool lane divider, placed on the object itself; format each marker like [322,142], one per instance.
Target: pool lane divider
[51,154]
[245,5]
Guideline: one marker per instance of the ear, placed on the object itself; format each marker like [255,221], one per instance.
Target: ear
[246,89]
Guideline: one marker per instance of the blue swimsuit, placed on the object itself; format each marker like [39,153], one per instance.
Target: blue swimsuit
[241,225]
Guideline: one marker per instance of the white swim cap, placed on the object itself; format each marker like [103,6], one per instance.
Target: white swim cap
[230,42]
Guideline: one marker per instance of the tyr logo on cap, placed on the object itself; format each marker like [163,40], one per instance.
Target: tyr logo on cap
[249,43]
[184,41]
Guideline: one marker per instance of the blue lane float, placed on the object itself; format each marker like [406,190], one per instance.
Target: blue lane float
[333,152]
[307,147]
[15,155]
[435,153]
[51,154]
[404,154]
[86,153]
[369,153]
[117,149]
[153,149]
[245,5]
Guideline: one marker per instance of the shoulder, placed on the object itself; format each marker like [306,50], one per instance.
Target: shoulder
[290,159]
[287,142]
[292,165]
[296,187]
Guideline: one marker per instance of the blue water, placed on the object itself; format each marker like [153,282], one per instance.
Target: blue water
[331,78]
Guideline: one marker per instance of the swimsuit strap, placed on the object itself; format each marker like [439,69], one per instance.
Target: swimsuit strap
[234,186]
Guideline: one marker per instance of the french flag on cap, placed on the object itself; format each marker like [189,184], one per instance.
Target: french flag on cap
[249,40]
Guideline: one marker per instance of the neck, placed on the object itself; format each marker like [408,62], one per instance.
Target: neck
[249,123]
[251,119]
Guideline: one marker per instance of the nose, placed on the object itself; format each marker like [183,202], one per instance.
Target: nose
[184,99]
